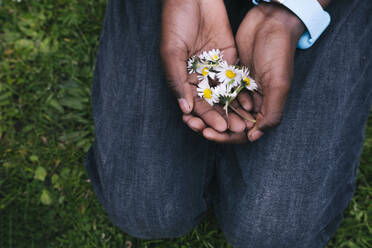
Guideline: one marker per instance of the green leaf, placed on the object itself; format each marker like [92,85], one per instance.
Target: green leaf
[45,197]
[74,103]
[44,46]
[61,199]
[55,179]
[34,158]
[65,172]
[24,43]
[40,173]
[56,105]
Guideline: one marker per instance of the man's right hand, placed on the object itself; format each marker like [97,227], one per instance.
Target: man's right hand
[189,28]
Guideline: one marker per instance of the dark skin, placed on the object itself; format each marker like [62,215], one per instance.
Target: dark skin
[188,28]
[265,42]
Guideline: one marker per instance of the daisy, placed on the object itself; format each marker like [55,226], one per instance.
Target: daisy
[192,64]
[213,56]
[223,93]
[247,81]
[205,70]
[205,91]
[228,74]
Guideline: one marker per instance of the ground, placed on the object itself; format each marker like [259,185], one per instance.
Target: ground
[47,53]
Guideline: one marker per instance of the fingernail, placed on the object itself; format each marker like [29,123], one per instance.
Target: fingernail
[249,124]
[255,135]
[184,105]
[207,134]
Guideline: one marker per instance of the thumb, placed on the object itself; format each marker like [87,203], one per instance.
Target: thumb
[174,63]
[270,114]
[230,54]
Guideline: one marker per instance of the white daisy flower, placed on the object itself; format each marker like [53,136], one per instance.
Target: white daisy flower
[203,55]
[249,83]
[223,93]
[205,91]
[192,64]
[201,78]
[205,70]
[213,56]
[228,74]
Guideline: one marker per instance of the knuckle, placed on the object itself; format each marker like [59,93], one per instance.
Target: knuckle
[175,89]
[271,121]
[274,121]
[172,86]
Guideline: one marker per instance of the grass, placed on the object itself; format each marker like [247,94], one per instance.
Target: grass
[47,53]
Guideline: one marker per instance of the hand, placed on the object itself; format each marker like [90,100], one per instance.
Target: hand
[266,42]
[189,28]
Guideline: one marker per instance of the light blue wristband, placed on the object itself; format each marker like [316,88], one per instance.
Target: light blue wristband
[311,14]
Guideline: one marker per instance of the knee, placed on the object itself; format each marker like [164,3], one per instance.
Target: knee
[258,233]
[149,220]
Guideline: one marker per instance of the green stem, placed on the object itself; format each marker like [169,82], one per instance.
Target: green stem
[237,92]
[226,108]
[241,115]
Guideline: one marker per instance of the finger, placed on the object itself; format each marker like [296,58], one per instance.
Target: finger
[275,95]
[270,114]
[230,54]
[248,119]
[174,65]
[254,134]
[235,123]
[257,102]
[235,120]
[245,100]
[209,115]
[225,137]
[195,123]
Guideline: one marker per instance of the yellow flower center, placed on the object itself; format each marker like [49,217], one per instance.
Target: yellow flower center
[230,74]
[207,93]
[215,57]
[247,81]
[205,71]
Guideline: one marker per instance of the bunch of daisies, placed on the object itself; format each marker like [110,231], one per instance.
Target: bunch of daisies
[219,82]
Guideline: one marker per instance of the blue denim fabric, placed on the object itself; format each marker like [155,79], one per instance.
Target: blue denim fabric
[155,177]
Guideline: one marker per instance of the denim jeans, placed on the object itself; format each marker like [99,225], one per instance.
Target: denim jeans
[156,178]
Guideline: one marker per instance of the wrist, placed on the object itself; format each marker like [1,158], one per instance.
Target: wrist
[280,15]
